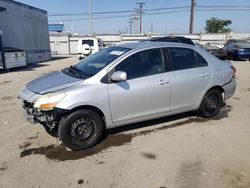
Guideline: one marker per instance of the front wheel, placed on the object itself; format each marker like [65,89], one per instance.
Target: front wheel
[81,130]
[211,104]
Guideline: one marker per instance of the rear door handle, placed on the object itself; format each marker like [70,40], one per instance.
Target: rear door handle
[204,74]
[162,82]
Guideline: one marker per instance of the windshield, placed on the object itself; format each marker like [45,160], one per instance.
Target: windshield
[92,64]
[89,42]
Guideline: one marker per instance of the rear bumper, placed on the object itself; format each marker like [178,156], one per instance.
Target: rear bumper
[229,88]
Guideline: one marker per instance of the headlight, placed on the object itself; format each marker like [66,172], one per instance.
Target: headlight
[48,101]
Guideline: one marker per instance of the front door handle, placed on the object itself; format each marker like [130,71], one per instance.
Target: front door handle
[162,82]
[204,74]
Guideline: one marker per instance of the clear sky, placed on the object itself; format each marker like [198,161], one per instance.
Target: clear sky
[161,23]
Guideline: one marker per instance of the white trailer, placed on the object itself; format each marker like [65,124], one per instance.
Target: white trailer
[13,58]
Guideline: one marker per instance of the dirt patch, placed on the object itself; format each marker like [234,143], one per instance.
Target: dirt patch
[248,89]
[25,145]
[33,137]
[41,150]
[235,179]
[7,98]
[5,82]
[149,155]
[60,153]
[189,174]
[81,181]
[236,98]
[3,166]
[1,112]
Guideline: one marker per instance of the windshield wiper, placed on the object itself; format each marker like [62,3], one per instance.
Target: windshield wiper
[75,69]
[80,73]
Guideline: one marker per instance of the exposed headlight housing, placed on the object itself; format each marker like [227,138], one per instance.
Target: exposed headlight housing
[48,101]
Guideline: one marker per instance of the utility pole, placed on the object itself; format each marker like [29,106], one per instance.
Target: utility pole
[130,25]
[152,27]
[140,12]
[72,26]
[90,18]
[191,17]
[135,24]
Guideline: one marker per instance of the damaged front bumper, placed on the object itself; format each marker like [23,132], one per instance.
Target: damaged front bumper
[49,118]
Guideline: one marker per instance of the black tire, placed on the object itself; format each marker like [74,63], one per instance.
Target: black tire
[211,104]
[81,129]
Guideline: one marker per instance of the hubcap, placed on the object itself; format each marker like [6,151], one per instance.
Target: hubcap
[212,103]
[82,129]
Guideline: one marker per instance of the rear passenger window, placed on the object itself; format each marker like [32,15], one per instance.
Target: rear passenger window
[183,58]
[201,61]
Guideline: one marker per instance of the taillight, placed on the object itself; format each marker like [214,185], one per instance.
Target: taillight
[234,71]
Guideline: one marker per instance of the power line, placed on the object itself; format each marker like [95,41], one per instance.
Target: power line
[146,10]
[150,14]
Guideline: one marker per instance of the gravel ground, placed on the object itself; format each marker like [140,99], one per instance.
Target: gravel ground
[180,151]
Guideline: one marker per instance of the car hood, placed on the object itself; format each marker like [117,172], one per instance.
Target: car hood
[52,82]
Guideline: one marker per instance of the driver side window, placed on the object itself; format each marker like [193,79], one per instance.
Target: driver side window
[144,63]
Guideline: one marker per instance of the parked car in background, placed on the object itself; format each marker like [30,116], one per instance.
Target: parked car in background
[229,41]
[221,53]
[218,44]
[177,39]
[126,84]
[88,46]
[238,50]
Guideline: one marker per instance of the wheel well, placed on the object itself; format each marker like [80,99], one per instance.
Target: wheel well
[89,107]
[219,88]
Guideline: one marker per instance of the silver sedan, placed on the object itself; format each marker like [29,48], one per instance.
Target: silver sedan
[126,84]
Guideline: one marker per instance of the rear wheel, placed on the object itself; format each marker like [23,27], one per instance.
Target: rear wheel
[211,104]
[81,130]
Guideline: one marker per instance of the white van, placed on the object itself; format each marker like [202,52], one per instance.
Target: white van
[88,46]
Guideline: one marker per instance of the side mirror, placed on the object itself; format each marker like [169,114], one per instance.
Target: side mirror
[119,76]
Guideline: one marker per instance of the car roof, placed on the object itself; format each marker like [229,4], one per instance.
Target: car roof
[170,37]
[243,45]
[141,45]
[179,39]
